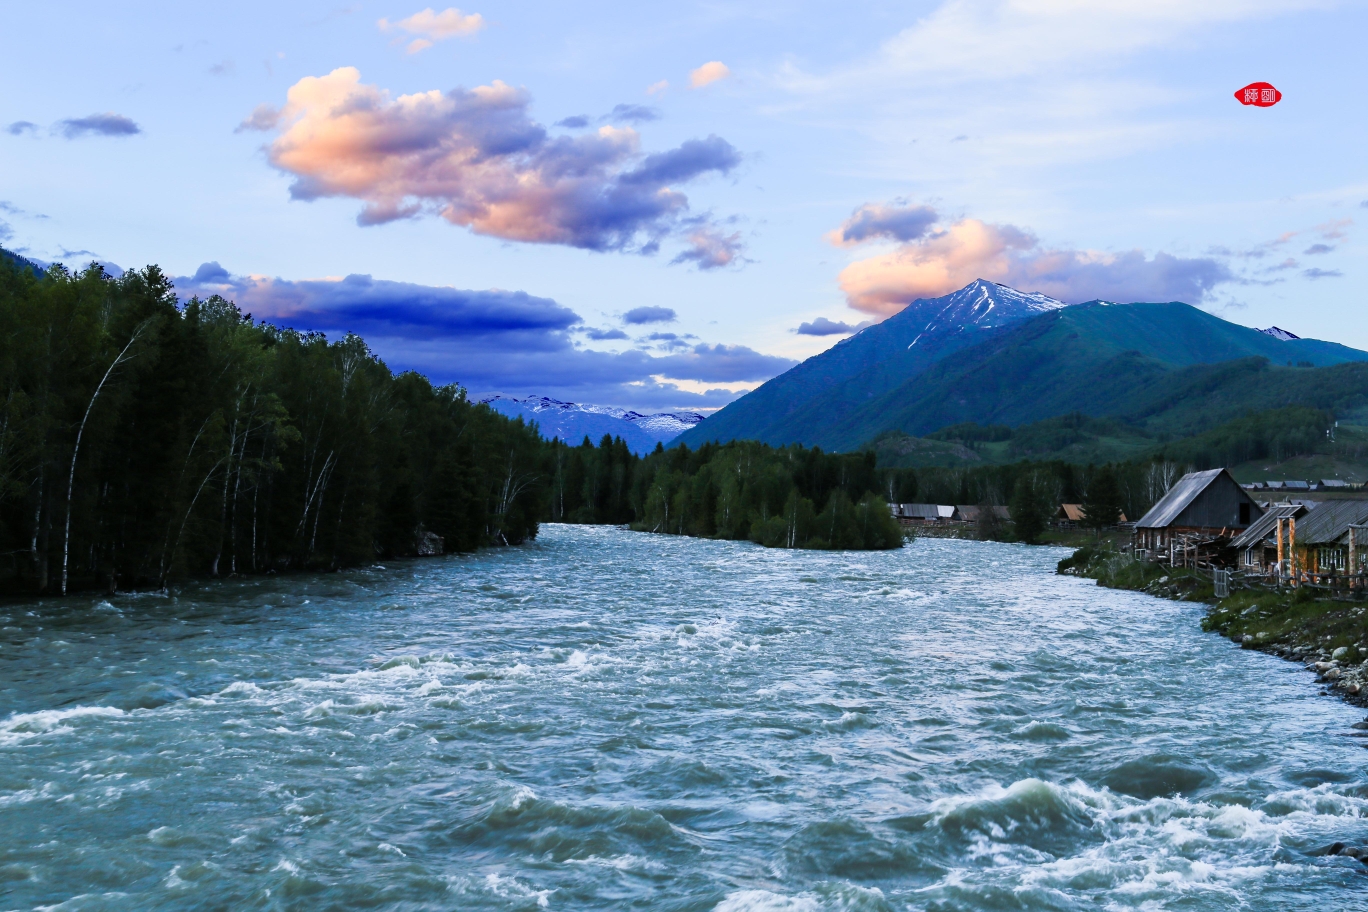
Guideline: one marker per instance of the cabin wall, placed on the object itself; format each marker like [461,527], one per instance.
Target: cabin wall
[1218,507]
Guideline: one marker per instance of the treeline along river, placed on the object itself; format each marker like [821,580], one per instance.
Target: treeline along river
[145,440]
[602,719]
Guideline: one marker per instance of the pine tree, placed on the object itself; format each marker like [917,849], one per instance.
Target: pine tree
[1028,512]
[1102,505]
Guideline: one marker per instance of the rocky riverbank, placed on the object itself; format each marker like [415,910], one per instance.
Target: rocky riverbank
[1328,636]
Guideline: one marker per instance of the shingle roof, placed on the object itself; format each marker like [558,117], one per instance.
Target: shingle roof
[1072,512]
[1266,525]
[1162,514]
[924,511]
[1330,521]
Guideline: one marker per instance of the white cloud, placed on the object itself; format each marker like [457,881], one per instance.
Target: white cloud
[933,261]
[708,73]
[431,26]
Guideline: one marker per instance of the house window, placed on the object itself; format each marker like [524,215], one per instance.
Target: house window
[1244,514]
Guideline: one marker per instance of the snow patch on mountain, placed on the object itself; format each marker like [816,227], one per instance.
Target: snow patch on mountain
[1277,333]
[572,421]
[979,305]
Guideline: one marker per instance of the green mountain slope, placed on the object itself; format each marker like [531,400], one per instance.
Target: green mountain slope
[992,354]
[796,406]
[1161,364]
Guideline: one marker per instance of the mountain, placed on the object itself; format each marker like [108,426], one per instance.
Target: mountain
[1027,364]
[572,422]
[1168,367]
[15,259]
[798,405]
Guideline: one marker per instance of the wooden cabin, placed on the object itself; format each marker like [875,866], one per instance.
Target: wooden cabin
[1330,540]
[1070,516]
[913,513]
[971,514]
[1203,509]
[1259,548]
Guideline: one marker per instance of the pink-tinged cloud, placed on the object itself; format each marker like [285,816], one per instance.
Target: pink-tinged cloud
[475,158]
[432,26]
[708,73]
[933,261]
[709,248]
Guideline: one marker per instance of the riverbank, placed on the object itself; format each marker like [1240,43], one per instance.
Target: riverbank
[1328,636]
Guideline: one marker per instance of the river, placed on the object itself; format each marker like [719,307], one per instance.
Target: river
[605,719]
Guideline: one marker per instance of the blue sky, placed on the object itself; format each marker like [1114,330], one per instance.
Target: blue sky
[721,175]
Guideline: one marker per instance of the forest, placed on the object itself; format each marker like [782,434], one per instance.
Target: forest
[142,440]
[786,497]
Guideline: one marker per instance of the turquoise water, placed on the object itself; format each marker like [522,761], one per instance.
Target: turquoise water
[606,719]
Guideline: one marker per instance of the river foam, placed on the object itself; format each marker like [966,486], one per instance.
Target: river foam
[607,719]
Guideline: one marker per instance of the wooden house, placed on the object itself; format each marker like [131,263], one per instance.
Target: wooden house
[1262,546]
[1330,540]
[1069,516]
[972,514]
[914,513]
[1203,509]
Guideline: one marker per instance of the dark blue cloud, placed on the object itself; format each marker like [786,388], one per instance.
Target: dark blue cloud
[577,122]
[20,127]
[108,124]
[630,113]
[1322,273]
[1317,248]
[899,223]
[210,272]
[377,307]
[824,327]
[490,341]
[693,158]
[638,316]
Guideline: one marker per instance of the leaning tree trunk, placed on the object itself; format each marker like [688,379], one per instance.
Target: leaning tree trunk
[76,450]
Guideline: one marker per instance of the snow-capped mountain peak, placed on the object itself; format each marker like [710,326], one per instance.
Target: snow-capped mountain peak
[980,304]
[1282,334]
[572,421]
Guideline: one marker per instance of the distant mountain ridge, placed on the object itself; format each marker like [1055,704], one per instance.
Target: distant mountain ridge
[798,405]
[572,422]
[1002,357]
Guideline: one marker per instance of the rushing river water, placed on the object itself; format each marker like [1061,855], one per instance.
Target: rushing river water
[605,719]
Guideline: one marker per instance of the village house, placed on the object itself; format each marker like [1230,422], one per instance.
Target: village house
[1262,546]
[1070,516]
[914,513]
[1329,540]
[972,514]
[1198,515]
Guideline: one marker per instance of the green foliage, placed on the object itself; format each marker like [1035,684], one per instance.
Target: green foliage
[141,440]
[1274,435]
[1164,370]
[1030,507]
[1103,504]
[969,432]
[788,497]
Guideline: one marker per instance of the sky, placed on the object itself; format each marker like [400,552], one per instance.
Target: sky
[661,206]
